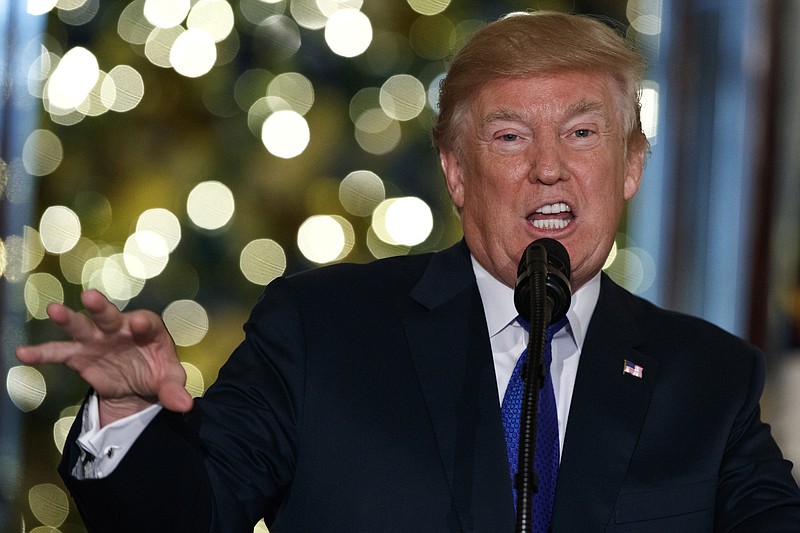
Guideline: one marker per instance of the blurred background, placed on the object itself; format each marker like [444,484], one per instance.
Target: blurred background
[180,154]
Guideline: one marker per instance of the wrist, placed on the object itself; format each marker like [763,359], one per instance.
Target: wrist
[113,409]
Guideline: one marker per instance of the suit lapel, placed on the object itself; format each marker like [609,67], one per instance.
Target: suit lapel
[607,412]
[449,345]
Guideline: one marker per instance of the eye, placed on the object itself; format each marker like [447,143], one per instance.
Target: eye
[509,137]
[583,133]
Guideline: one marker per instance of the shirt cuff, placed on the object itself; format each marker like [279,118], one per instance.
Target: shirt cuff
[102,449]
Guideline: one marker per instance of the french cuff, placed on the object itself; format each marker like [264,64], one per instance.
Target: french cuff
[102,449]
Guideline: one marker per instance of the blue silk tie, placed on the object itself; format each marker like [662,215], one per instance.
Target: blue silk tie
[546,459]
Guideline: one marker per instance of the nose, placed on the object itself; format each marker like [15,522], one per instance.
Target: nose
[547,164]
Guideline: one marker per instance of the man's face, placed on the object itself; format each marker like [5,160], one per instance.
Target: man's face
[543,156]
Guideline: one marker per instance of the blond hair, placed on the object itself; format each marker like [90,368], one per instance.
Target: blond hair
[540,42]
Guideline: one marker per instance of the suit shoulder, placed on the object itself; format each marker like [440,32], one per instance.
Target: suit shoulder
[680,332]
[333,286]
[352,274]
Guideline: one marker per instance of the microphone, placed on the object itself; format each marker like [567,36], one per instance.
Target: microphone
[549,259]
[541,295]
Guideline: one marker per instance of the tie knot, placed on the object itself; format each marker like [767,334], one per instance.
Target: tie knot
[550,330]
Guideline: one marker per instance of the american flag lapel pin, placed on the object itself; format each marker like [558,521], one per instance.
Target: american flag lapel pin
[633,369]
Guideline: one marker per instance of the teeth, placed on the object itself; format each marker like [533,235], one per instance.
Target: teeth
[551,224]
[560,207]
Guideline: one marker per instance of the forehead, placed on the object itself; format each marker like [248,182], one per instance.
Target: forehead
[552,96]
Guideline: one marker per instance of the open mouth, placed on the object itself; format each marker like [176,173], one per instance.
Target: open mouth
[552,216]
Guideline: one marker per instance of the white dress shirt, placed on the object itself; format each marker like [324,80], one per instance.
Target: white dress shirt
[102,449]
[509,339]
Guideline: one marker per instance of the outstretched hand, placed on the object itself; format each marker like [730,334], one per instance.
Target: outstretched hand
[128,358]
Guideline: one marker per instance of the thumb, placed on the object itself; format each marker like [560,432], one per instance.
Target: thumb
[175,397]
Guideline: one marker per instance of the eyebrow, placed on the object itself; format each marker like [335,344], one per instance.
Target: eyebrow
[586,107]
[578,108]
[500,114]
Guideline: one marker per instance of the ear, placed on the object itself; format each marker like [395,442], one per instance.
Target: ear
[634,167]
[453,176]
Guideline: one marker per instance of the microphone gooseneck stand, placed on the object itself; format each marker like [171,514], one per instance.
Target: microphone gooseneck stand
[542,294]
[527,481]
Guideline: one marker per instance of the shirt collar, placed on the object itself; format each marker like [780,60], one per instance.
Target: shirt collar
[498,303]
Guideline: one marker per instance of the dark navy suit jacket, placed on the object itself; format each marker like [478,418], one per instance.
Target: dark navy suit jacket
[363,399]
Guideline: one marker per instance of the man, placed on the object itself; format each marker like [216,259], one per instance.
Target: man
[367,398]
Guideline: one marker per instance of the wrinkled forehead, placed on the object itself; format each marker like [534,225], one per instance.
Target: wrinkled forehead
[554,97]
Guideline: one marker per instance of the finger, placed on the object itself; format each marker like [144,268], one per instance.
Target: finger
[146,326]
[77,325]
[49,352]
[173,396]
[58,313]
[107,316]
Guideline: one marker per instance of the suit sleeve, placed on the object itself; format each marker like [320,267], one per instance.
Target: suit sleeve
[160,485]
[226,464]
[756,489]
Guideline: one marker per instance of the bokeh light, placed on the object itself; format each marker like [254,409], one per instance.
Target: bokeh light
[285,134]
[262,260]
[31,249]
[361,192]
[132,25]
[166,13]
[41,289]
[59,228]
[162,222]
[195,384]
[404,221]
[61,430]
[428,7]
[290,91]
[433,92]
[612,255]
[72,80]
[632,267]
[42,153]
[308,14]
[40,7]
[40,70]
[110,276]
[348,32]
[649,112]
[281,35]
[210,205]
[128,88]
[158,47]
[214,17]
[49,504]
[193,53]
[146,254]
[376,132]
[3,258]
[402,97]
[644,16]
[324,238]
[379,248]
[26,387]
[187,322]
[258,12]
[431,37]
[73,261]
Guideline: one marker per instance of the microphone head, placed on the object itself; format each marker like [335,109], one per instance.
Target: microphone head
[557,255]
[547,256]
